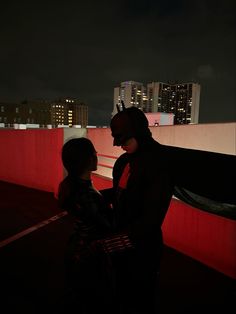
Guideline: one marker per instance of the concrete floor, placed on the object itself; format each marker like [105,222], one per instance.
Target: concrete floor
[32,273]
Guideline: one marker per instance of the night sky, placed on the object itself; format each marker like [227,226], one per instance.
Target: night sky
[84,49]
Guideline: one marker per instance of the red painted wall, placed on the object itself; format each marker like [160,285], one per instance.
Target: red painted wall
[205,237]
[32,158]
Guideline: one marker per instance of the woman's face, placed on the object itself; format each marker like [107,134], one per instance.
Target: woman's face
[94,162]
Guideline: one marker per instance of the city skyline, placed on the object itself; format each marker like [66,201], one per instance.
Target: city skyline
[84,50]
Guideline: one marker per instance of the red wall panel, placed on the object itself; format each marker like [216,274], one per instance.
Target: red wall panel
[32,158]
[205,237]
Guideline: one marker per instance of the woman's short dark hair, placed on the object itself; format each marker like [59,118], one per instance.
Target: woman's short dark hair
[76,155]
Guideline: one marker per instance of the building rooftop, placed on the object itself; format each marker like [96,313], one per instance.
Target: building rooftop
[196,274]
[32,270]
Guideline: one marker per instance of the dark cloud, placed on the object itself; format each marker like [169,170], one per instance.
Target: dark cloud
[85,49]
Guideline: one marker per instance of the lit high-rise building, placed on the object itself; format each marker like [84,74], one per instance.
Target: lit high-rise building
[131,93]
[64,111]
[69,111]
[181,99]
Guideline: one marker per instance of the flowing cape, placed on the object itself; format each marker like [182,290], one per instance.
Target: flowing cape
[205,180]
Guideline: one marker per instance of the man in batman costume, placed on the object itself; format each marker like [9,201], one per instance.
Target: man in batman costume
[145,178]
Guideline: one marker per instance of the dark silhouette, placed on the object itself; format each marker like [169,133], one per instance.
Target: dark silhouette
[145,178]
[142,191]
[121,260]
[88,273]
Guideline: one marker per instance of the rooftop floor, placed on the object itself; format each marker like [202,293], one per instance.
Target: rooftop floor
[32,271]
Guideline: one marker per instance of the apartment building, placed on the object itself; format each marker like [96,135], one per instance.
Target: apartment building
[64,111]
[131,93]
[180,99]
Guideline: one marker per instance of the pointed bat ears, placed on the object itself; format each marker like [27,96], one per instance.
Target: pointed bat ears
[122,106]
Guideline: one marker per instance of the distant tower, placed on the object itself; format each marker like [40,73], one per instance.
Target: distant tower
[180,99]
[64,111]
[69,111]
[131,93]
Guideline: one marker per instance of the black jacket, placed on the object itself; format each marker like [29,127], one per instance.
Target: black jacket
[92,215]
[140,208]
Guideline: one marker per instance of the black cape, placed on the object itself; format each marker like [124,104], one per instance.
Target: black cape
[206,180]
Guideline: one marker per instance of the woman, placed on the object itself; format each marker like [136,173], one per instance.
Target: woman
[89,276]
